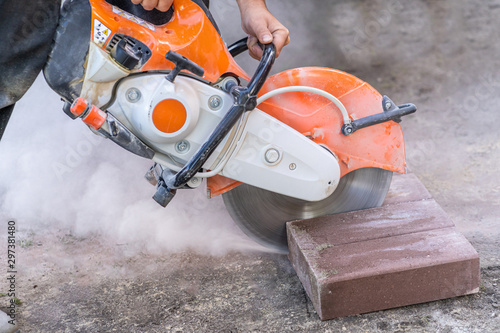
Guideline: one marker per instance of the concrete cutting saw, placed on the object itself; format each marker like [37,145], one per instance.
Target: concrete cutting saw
[299,144]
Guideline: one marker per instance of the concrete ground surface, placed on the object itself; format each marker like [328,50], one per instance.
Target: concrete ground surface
[95,254]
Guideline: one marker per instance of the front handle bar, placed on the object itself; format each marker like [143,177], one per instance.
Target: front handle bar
[262,71]
[238,47]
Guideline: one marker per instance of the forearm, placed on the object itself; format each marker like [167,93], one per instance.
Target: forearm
[246,3]
[248,6]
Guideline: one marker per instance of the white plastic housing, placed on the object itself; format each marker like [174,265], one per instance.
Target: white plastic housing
[193,94]
[264,152]
[101,68]
[304,169]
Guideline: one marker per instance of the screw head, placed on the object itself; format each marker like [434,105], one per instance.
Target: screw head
[347,129]
[182,146]
[215,102]
[133,95]
[293,166]
[194,182]
[388,105]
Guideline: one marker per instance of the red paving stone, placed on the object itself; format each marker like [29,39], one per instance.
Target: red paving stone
[405,252]
[406,188]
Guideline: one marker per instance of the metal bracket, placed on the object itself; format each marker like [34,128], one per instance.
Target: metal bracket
[122,136]
[391,112]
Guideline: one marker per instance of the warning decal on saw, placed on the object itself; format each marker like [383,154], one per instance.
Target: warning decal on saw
[133,18]
[101,33]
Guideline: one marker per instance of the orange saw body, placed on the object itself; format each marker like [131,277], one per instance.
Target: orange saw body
[189,32]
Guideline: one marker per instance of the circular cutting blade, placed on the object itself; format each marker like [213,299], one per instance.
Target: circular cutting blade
[262,214]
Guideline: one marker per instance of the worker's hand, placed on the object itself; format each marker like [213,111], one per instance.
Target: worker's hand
[161,5]
[261,25]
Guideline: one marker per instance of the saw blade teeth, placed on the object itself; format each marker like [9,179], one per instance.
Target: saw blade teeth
[262,215]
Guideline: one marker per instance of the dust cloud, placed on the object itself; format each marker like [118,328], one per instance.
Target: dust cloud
[57,175]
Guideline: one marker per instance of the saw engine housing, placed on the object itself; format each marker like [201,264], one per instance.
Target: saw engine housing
[175,119]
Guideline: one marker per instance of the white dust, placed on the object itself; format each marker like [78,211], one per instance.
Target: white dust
[55,174]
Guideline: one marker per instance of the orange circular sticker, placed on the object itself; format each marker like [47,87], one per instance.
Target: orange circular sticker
[169,115]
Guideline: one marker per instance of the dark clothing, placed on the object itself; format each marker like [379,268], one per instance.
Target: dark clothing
[4,117]
[26,31]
